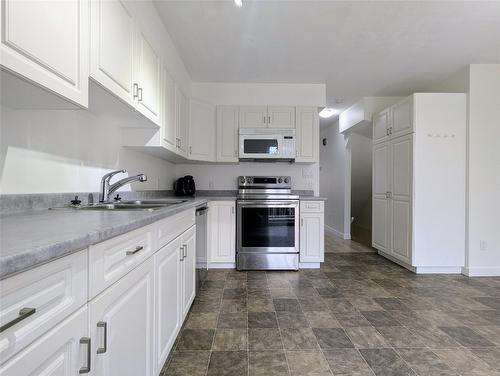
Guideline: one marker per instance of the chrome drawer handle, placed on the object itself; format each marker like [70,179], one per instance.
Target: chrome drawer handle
[104,348]
[139,94]
[137,249]
[86,341]
[23,314]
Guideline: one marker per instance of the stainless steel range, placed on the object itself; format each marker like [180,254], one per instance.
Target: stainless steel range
[267,224]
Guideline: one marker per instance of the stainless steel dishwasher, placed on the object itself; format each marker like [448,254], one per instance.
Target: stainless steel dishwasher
[201,245]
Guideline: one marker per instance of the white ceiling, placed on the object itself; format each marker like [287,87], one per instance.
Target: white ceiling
[356,48]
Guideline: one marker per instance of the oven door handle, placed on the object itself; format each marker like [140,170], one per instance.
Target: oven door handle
[268,203]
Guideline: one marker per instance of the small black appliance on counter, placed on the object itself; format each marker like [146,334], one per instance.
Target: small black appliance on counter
[185,186]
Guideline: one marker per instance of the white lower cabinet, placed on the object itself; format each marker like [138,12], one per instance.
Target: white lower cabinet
[188,272]
[312,226]
[168,292]
[62,351]
[121,325]
[221,233]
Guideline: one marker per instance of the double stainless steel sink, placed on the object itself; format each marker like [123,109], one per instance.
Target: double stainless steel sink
[149,205]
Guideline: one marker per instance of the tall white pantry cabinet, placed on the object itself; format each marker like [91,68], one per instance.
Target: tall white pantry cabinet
[419,156]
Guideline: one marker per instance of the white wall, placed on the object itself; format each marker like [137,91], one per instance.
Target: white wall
[483,173]
[68,151]
[361,180]
[332,180]
[260,94]
[224,177]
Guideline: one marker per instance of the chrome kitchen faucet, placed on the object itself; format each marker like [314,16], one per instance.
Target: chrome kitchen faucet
[107,189]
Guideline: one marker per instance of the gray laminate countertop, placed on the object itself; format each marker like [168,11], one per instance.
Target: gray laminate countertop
[34,237]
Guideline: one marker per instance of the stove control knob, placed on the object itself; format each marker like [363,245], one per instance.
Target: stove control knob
[242,180]
[287,180]
[250,180]
[280,180]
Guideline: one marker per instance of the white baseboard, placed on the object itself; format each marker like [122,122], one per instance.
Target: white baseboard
[334,232]
[309,265]
[222,265]
[438,270]
[397,261]
[481,271]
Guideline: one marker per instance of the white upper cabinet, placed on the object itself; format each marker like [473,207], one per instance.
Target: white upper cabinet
[169,127]
[307,134]
[281,117]
[394,121]
[227,134]
[181,119]
[112,54]
[47,43]
[402,118]
[148,80]
[201,131]
[381,125]
[253,116]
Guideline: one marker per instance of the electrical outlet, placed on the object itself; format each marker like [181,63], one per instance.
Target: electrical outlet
[211,184]
[483,245]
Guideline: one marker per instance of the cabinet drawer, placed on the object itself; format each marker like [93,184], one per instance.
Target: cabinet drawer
[170,228]
[53,290]
[113,258]
[312,206]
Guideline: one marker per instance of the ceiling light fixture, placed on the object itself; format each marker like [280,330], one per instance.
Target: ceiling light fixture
[327,112]
[238,3]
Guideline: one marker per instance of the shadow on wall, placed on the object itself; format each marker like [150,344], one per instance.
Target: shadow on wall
[67,151]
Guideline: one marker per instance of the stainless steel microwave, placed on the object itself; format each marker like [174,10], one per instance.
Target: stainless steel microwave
[255,144]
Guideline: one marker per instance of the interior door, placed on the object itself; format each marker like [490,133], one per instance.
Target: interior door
[227,134]
[281,117]
[402,117]
[60,351]
[401,192]
[121,325]
[169,127]
[148,80]
[188,241]
[380,208]
[381,124]
[253,116]
[112,47]
[168,291]
[307,134]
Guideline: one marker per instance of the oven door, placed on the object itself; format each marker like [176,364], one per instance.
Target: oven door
[268,226]
[259,146]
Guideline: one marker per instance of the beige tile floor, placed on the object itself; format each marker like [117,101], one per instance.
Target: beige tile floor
[358,315]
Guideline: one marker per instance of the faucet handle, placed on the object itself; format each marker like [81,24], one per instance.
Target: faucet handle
[76,201]
[109,175]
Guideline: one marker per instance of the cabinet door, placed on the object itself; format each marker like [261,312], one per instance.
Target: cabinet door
[168,300]
[201,131]
[312,245]
[253,116]
[307,134]
[182,109]
[380,188]
[57,353]
[222,232]
[188,242]
[281,117]
[227,134]
[148,80]
[381,124]
[112,47]
[123,315]
[47,42]
[169,127]
[402,118]
[401,192]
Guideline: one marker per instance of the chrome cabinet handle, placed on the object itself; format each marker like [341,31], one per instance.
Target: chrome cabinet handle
[182,252]
[264,119]
[190,150]
[139,94]
[269,120]
[86,341]
[24,313]
[104,348]
[136,88]
[137,249]
[232,209]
